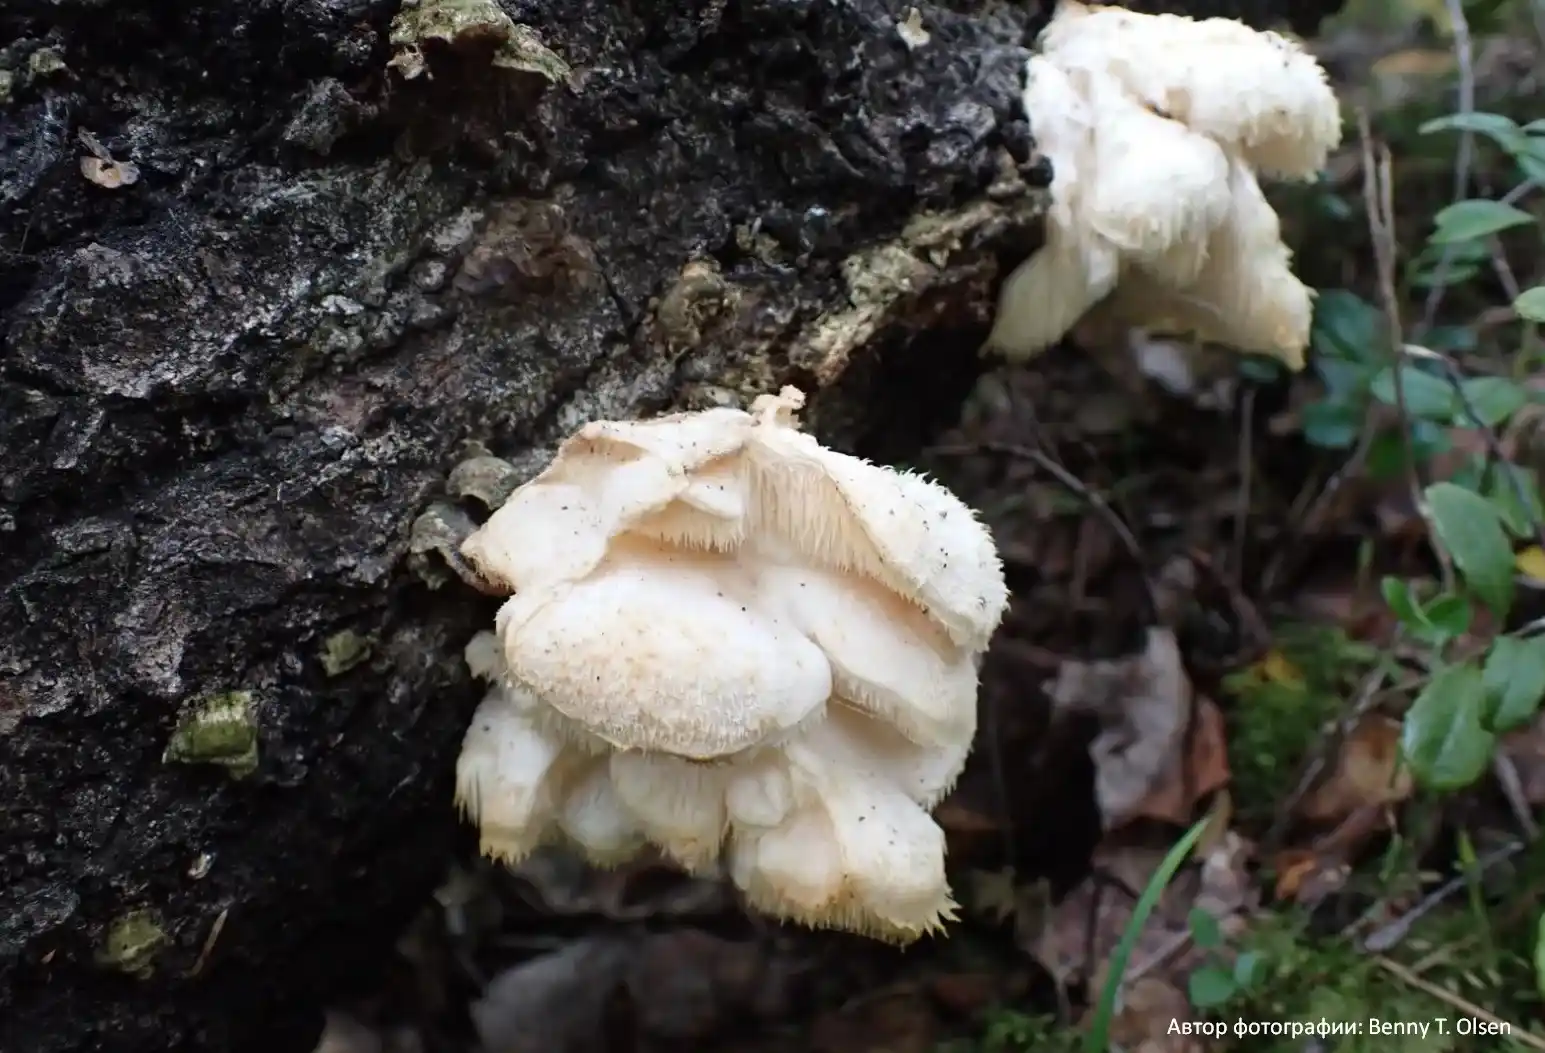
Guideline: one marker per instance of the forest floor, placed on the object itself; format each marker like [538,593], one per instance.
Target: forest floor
[1257,601]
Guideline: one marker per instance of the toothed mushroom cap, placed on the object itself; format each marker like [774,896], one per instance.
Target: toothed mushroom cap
[724,633]
[1259,95]
[1156,127]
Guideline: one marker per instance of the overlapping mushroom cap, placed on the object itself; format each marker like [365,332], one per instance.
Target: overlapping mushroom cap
[733,643]
[1157,127]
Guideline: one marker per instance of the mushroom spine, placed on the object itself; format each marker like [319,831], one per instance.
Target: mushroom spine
[1158,128]
[744,648]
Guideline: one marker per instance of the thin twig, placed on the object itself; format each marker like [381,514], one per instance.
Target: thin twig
[1464,156]
[1449,998]
[1494,452]
[1076,486]
[1379,202]
[1318,759]
[1389,935]
[1288,556]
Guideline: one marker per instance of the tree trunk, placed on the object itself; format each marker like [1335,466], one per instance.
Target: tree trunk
[268,270]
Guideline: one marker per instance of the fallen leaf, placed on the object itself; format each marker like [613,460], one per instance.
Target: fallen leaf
[1526,749]
[1080,934]
[1192,776]
[1531,563]
[1144,704]
[1368,773]
[1306,878]
[1148,1008]
[1307,875]
[1277,668]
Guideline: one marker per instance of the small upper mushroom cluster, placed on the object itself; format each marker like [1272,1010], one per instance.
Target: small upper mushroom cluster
[1157,127]
[725,638]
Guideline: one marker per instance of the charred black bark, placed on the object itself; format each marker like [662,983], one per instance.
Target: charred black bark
[244,341]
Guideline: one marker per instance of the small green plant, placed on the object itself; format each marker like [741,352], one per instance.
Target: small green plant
[1097,1038]
[1449,733]
[1217,983]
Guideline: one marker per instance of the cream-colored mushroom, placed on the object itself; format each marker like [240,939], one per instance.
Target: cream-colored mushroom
[726,636]
[1157,128]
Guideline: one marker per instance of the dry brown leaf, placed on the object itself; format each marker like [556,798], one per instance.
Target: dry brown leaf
[1526,749]
[1304,876]
[1143,702]
[1368,773]
[1202,771]
[1143,1024]
[1080,934]
[1308,874]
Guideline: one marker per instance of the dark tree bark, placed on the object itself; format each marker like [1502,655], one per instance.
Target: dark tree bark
[258,293]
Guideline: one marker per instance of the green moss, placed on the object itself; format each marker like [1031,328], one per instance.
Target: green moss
[1280,708]
[221,729]
[132,943]
[1309,979]
[343,651]
[1005,1030]
[45,62]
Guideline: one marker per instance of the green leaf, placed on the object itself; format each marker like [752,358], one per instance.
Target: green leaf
[1457,274]
[1210,987]
[1494,400]
[1470,528]
[1530,304]
[1443,738]
[1405,606]
[1503,130]
[1427,395]
[1206,933]
[1530,157]
[1332,425]
[1449,614]
[1519,514]
[1247,969]
[1455,339]
[1475,218]
[1514,676]
[1097,1038]
[1260,369]
[1434,621]
[1346,325]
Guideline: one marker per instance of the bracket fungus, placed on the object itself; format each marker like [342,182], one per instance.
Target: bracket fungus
[730,642]
[1158,128]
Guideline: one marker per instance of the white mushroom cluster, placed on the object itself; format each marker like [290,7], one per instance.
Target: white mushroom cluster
[739,646]
[1158,128]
